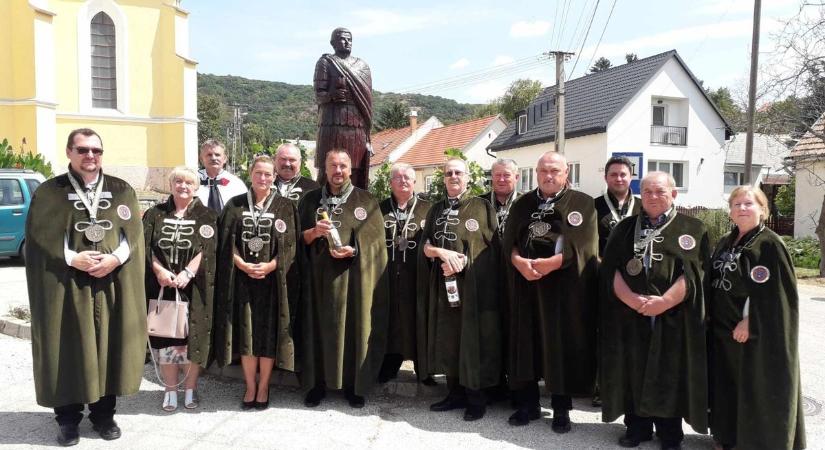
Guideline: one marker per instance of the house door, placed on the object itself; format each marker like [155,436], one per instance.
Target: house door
[637,160]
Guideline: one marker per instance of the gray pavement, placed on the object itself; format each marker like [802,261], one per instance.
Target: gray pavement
[392,417]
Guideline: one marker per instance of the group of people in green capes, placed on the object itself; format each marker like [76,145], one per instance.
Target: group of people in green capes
[621,300]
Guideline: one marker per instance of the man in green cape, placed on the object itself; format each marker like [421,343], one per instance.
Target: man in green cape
[345,307]
[459,317]
[290,183]
[404,219]
[552,242]
[654,356]
[84,270]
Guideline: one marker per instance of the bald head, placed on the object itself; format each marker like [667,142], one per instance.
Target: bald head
[551,170]
[287,161]
[338,166]
[658,193]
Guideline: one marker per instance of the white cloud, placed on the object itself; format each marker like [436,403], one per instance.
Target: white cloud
[502,59]
[486,91]
[523,28]
[720,7]
[377,22]
[460,64]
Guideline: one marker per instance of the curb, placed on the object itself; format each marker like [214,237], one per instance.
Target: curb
[15,328]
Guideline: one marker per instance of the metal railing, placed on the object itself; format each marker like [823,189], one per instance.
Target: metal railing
[668,135]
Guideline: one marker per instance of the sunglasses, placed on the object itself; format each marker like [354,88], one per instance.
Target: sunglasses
[450,173]
[85,150]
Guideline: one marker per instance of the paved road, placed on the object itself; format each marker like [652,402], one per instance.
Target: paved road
[388,420]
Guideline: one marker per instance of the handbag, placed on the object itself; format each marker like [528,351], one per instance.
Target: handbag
[168,318]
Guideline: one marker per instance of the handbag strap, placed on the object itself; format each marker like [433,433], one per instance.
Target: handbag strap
[157,373]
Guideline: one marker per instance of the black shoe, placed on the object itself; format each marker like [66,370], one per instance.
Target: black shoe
[429,381]
[474,412]
[561,421]
[246,406]
[68,435]
[108,431]
[448,404]
[355,401]
[260,406]
[523,416]
[676,446]
[597,401]
[314,396]
[628,441]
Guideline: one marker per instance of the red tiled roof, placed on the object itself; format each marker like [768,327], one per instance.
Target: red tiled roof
[812,143]
[429,151]
[384,142]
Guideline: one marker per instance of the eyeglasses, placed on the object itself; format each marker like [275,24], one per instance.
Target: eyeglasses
[85,150]
[450,173]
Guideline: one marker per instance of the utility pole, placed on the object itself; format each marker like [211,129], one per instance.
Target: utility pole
[560,57]
[757,12]
[237,138]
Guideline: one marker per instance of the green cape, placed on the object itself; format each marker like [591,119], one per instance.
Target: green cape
[758,401]
[553,320]
[402,275]
[658,372]
[200,291]
[88,334]
[258,317]
[346,301]
[463,342]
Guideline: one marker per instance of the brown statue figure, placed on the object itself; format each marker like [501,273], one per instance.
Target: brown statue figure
[343,91]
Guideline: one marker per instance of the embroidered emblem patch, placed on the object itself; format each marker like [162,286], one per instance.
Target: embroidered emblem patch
[575,218]
[760,274]
[124,212]
[360,213]
[206,231]
[280,225]
[687,242]
[471,225]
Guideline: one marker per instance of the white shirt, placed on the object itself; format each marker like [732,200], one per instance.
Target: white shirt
[234,188]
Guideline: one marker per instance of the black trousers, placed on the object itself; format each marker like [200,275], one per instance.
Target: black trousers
[668,429]
[474,397]
[527,396]
[100,412]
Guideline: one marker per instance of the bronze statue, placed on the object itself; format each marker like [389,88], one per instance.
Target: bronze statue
[343,91]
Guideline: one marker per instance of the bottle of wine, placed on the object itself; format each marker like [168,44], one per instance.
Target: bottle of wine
[334,237]
[451,284]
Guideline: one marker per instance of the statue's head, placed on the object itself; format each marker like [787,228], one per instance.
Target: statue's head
[341,41]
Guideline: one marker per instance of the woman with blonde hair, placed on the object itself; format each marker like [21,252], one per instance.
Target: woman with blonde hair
[754,325]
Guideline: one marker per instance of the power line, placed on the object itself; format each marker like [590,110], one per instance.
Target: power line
[596,49]
[565,10]
[477,80]
[586,34]
[573,37]
[555,19]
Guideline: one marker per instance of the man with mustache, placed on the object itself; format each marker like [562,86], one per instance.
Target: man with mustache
[217,185]
[289,182]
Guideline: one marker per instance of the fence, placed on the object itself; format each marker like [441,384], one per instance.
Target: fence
[782,226]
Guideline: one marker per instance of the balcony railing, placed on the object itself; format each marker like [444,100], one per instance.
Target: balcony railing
[668,135]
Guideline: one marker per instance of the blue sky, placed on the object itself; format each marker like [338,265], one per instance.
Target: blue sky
[408,44]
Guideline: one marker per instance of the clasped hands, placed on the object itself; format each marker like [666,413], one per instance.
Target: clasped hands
[258,271]
[95,263]
[651,305]
[532,269]
[452,262]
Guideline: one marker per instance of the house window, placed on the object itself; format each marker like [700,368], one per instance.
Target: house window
[574,174]
[522,124]
[526,179]
[659,115]
[734,178]
[674,168]
[428,181]
[103,62]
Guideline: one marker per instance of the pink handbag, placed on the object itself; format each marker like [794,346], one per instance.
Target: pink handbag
[168,318]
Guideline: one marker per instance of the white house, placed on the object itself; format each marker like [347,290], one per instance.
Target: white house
[768,167]
[652,110]
[809,160]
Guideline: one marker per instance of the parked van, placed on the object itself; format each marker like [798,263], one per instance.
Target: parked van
[17,187]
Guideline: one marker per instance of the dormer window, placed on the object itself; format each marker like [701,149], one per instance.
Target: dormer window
[522,124]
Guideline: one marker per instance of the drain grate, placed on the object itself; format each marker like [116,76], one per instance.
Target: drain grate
[810,406]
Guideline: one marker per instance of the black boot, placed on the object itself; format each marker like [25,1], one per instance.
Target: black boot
[561,421]
[68,435]
[314,396]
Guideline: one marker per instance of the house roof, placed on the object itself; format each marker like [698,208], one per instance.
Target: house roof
[768,150]
[429,151]
[591,101]
[384,142]
[812,143]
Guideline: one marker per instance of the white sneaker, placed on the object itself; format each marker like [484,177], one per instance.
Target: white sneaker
[190,399]
[170,401]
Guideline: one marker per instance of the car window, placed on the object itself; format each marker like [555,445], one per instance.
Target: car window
[10,192]
[32,184]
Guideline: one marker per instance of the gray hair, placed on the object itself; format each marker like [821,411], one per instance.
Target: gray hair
[507,163]
[671,183]
[554,154]
[400,167]
[288,146]
[184,172]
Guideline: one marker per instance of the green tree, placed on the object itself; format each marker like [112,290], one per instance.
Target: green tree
[786,198]
[380,185]
[392,116]
[212,117]
[630,57]
[600,65]
[477,184]
[518,96]
[723,100]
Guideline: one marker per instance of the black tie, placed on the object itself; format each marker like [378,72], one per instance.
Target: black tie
[214,195]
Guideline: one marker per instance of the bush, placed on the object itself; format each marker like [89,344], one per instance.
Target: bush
[804,252]
[27,160]
[476,185]
[21,313]
[717,223]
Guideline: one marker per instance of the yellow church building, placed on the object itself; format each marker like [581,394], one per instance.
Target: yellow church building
[120,67]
